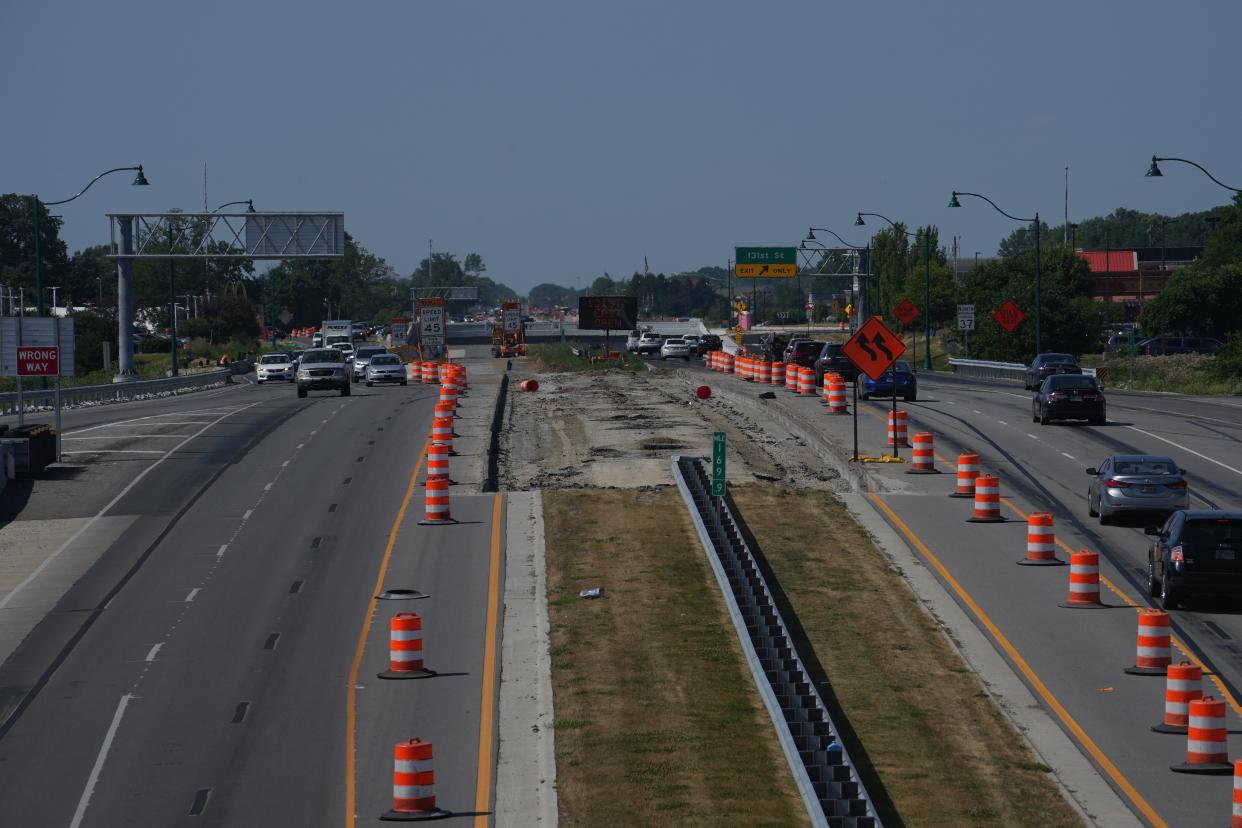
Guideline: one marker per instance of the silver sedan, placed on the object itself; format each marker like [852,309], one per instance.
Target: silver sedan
[385,368]
[1136,483]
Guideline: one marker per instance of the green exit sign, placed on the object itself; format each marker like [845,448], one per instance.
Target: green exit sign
[766,255]
[718,464]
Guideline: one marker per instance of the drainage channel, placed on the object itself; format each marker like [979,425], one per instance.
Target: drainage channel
[833,794]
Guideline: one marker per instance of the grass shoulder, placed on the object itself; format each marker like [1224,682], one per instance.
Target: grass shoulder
[559,357]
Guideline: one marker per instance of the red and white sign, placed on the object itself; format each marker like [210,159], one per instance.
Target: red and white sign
[38,360]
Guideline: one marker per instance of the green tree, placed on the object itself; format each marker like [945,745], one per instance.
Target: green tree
[17,258]
[1204,299]
[356,286]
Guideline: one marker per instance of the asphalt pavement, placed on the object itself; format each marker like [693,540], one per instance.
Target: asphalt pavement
[1072,659]
[214,662]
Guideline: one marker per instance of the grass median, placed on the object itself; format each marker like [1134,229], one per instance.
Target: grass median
[560,357]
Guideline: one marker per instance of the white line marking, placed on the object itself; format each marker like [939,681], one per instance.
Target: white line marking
[301,444]
[38,570]
[950,402]
[1032,436]
[1183,448]
[1070,456]
[193,592]
[1002,422]
[323,422]
[249,512]
[223,547]
[316,431]
[282,465]
[115,451]
[977,411]
[99,762]
[154,650]
[268,487]
[123,437]
[153,417]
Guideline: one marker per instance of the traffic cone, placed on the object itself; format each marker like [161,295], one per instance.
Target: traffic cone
[1183,685]
[405,648]
[1154,642]
[1084,587]
[987,499]
[967,472]
[1040,542]
[413,784]
[924,454]
[436,509]
[1207,741]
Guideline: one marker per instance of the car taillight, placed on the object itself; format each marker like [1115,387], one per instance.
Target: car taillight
[1055,395]
[1175,554]
[1113,483]
[1177,484]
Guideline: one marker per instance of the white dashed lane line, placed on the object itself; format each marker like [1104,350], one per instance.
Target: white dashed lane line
[193,593]
[154,650]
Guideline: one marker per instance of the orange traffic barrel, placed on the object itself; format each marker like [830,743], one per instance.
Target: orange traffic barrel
[1084,581]
[806,381]
[836,396]
[438,461]
[442,430]
[824,385]
[924,461]
[405,648]
[1041,541]
[1183,684]
[726,363]
[748,369]
[792,372]
[778,373]
[436,507]
[967,472]
[1236,821]
[413,784]
[987,500]
[1207,741]
[763,372]
[448,394]
[1154,644]
[897,428]
[430,372]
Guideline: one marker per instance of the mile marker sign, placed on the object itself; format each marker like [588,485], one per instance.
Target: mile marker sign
[873,348]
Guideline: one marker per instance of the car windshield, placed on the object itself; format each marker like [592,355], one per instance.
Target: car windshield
[807,346]
[1145,467]
[1213,532]
[385,359]
[323,355]
[273,359]
[363,353]
[1071,382]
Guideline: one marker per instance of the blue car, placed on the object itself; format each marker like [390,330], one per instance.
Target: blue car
[906,384]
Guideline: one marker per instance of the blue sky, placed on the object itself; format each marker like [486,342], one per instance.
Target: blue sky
[561,140]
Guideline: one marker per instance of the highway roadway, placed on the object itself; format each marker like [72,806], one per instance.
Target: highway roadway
[1072,659]
[214,661]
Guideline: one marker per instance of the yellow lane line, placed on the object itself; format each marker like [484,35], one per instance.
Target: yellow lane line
[1053,703]
[351,693]
[487,711]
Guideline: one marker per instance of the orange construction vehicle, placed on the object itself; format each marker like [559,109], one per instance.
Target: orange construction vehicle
[509,335]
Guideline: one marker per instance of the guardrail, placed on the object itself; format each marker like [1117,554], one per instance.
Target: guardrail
[827,780]
[86,395]
[983,369]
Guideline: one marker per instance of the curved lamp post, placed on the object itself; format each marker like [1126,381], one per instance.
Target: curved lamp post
[953,202]
[864,297]
[140,180]
[927,365]
[249,202]
[1154,171]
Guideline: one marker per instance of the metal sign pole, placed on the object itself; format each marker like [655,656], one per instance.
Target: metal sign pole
[893,425]
[856,419]
[21,400]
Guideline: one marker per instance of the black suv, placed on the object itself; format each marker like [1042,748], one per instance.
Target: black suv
[803,353]
[1196,551]
[833,359]
[710,342]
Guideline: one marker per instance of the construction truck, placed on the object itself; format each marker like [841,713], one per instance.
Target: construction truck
[509,335]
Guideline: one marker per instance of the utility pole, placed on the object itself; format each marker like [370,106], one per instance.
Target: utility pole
[53,289]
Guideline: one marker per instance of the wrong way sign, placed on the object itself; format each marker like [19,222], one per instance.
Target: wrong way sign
[28,345]
[38,360]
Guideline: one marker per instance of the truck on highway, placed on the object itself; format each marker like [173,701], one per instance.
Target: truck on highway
[509,335]
[336,331]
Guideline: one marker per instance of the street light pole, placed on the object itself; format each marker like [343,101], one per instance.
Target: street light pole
[864,297]
[1154,171]
[927,364]
[953,202]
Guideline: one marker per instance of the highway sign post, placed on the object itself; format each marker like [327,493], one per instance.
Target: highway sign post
[718,464]
[430,327]
[766,262]
[966,323]
[37,346]
[873,349]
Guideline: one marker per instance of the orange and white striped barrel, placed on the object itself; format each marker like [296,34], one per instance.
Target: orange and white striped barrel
[967,472]
[430,372]
[1207,741]
[448,378]
[778,373]
[924,455]
[438,461]
[987,500]
[413,783]
[739,365]
[405,648]
[792,372]
[806,381]
[765,372]
[1084,580]
[1236,820]
[1041,541]
[445,409]
[1154,653]
[1183,684]
[748,368]
[836,395]
[824,385]
[897,429]
[712,362]
[436,508]
[448,394]
[442,430]
[727,362]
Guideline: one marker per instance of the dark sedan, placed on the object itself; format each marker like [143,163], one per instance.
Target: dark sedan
[832,359]
[1045,365]
[803,353]
[1195,552]
[898,381]
[1068,397]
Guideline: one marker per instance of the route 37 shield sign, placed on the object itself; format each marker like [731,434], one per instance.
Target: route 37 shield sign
[874,348]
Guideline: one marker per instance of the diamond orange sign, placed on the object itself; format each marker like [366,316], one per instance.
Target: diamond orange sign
[874,348]
[1009,316]
[906,311]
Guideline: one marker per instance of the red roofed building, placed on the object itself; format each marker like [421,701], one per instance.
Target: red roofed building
[1117,276]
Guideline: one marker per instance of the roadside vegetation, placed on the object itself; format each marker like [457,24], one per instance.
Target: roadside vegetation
[559,357]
